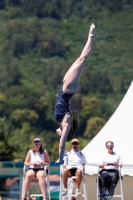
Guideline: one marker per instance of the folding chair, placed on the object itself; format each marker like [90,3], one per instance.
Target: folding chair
[120,184]
[70,186]
[47,171]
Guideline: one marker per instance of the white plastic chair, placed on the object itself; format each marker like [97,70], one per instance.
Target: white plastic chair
[120,184]
[70,186]
[47,172]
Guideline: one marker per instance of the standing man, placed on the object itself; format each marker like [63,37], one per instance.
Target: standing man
[73,165]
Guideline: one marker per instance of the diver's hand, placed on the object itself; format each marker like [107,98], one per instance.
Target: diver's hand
[58,162]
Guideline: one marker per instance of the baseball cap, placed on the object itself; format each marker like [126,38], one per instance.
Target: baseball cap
[37,139]
[75,140]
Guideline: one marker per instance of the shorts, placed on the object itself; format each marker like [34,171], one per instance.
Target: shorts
[35,170]
[73,171]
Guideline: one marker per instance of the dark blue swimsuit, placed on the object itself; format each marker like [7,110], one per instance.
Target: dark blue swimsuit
[62,104]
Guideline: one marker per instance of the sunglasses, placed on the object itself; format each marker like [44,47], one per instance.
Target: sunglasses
[37,142]
[109,145]
[75,143]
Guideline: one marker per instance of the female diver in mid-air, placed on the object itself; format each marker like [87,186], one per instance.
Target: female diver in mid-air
[65,115]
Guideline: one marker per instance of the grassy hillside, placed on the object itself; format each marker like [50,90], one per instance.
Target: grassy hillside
[39,40]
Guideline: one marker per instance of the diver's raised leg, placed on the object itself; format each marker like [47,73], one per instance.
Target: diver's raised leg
[72,77]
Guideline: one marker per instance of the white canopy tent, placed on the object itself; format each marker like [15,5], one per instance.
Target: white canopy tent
[118,129]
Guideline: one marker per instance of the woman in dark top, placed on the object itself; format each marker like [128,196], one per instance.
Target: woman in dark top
[65,115]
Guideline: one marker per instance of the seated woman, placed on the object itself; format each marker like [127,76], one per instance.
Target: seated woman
[109,174]
[36,159]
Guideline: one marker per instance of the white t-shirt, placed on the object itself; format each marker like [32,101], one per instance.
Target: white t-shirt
[111,158]
[36,157]
[74,159]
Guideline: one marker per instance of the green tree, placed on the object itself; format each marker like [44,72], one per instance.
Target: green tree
[94,125]
[22,139]
[39,40]
[25,115]
[6,148]
[2,4]
[90,107]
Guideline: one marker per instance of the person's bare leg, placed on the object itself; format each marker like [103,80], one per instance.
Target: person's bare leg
[79,178]
[30,174]
[65,175]
[72,77]
[42,184]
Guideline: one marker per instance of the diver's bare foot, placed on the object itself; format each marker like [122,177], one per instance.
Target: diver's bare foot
[92,31]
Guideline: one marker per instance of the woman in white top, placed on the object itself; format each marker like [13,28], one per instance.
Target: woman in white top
[109,174]
[36,159]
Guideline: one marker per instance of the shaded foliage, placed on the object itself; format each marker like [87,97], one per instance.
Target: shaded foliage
[39,40]
[93,126]
[6,148]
